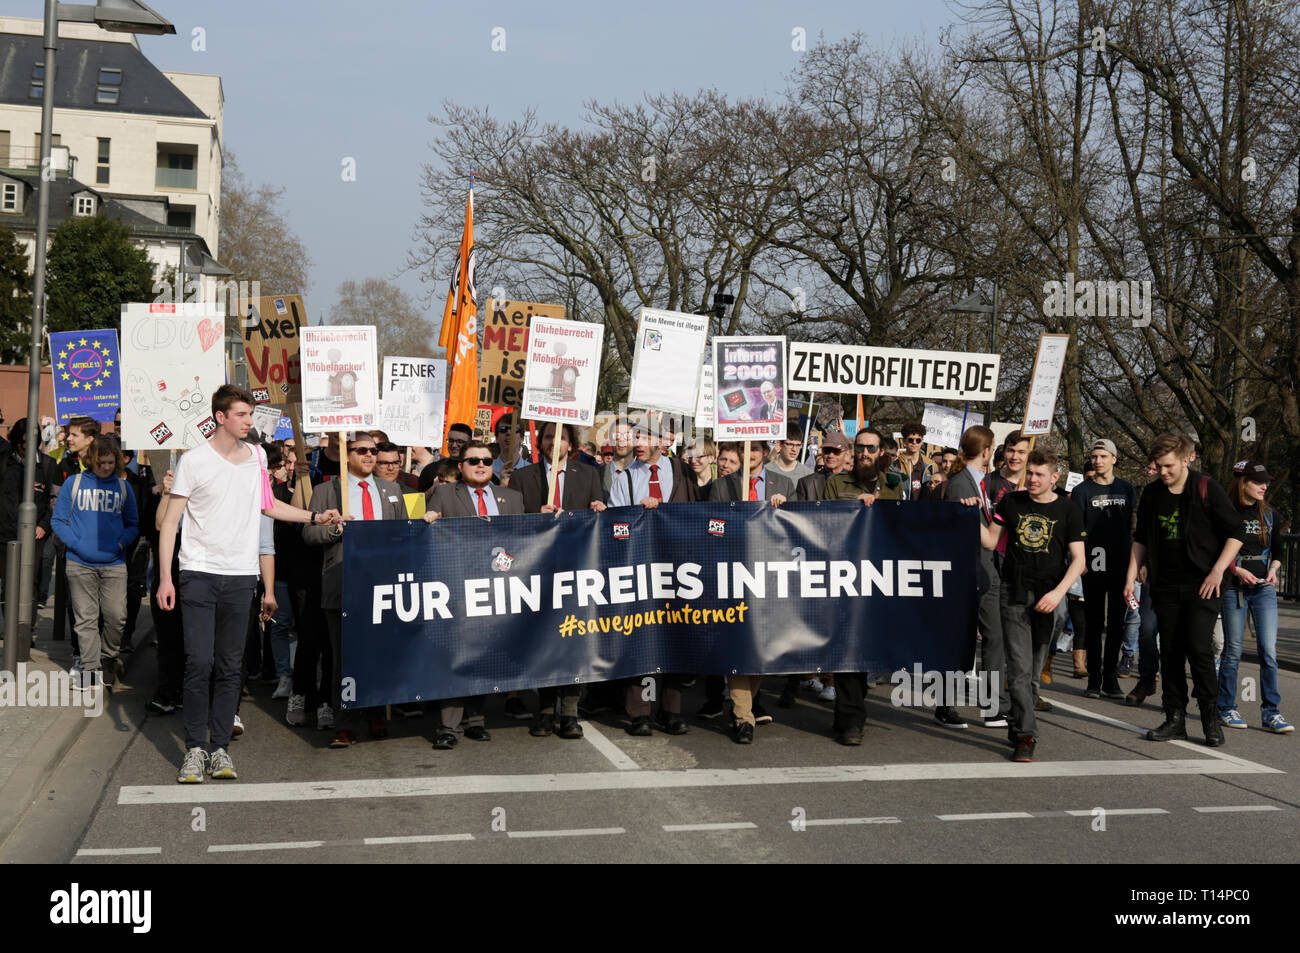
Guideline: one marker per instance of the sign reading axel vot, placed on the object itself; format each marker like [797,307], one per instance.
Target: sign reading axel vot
[469,606]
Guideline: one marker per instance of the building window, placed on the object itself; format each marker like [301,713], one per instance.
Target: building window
[101,162]
[55,140]
[37,88]
[85,205]
[108,89]
[9,197]
[4,147]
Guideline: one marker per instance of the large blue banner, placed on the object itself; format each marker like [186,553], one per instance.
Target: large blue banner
[86,381]
[482,605]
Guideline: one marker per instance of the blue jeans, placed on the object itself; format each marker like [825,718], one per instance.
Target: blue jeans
[1132,624]
[1149,625]
[279,626]
[1262,603]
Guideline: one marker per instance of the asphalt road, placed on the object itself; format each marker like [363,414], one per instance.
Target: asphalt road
[914,792]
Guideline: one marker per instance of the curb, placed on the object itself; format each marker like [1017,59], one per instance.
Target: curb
[27,781]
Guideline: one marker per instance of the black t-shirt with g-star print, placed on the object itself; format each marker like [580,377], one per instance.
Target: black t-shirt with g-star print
[1038,542]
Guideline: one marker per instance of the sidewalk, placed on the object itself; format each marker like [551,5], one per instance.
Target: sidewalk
[1288,637]
[33,740]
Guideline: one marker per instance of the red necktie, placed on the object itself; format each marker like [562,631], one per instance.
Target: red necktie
[556,501]
[482,507]
[753,488]
[655,491]
[367,507]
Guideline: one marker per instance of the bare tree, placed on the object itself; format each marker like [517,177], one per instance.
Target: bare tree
[400,327]
[255,240]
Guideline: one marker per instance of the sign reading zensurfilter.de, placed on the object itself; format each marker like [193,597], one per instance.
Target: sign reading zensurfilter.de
[893,372]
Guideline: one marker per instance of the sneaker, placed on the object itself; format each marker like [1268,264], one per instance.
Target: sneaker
[996,721]
[1042,704]
[284,688]
[238,729]
[192,767]
[516,709]
[296,714]
[324,717]
[1277,724]
[761,716]
[1024,749]
[220,767]
[1125,667]
[161,706]
[1233,719]
[948,717]
[1112,689]
[813,685]
[827,694]
[76,664]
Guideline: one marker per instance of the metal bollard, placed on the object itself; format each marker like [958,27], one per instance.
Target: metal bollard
[13,638]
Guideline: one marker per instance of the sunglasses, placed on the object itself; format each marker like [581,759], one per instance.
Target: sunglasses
[478,461]
[364,451]
[915,439]
[868,448]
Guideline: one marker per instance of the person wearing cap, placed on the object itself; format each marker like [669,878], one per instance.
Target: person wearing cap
[1107,504]
[837,451]
[1251,585]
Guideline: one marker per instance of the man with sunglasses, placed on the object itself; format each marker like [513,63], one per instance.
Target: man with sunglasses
[474,495]
[370,497]
[910,463]
[837,451]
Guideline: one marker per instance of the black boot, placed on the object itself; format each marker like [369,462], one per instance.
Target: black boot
[1210,725]
[1144,689]
[1174,726]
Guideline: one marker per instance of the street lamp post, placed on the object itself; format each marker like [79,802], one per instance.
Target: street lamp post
[976,304]
[121,16]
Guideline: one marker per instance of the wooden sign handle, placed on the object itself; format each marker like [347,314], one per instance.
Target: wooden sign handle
[343,473]
[744,482]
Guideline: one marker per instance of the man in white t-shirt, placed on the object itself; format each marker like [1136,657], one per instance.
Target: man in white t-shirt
[218,487]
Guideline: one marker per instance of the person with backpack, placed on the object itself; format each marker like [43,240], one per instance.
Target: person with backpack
[1188,533]
[96,518]
[1251,585]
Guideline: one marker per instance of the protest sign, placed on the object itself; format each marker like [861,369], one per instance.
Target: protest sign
[485,421]
[505,348]
[271,329]
[1040,406]
[945,425]
[704,400]
[893,372]
[340,378]
[563,371]
[669,346]
[172,363]
[1072,480]
[469,606]
[87,374]
[1001,430]
[749,381]
[284,429]
[266,421]
[415,400]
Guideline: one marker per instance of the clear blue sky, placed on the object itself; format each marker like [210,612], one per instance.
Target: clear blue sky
[309,83]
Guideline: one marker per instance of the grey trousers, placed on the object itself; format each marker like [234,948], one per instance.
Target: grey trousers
[462,712]
[214,610]
[993,646]
[1028,635]
[94,591]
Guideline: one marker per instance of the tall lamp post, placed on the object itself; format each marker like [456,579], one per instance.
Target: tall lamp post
[978,304]
[118,16]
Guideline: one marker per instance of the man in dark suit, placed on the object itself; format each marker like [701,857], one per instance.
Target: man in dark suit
[369,498]
[474,495]
[765,483]
[653,478]
[578,487]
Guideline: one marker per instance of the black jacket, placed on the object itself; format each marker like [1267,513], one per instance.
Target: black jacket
[11,490]
[1211,520]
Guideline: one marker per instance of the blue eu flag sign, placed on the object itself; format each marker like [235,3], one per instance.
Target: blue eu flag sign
[86,381]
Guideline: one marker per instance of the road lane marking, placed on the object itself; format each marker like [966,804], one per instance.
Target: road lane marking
[1232,809]
[277,845]
[500,784]
[575,832]
[117,851]
[1119,811]
[415,839]
[994,816]
[837,821]
[728,826]
[616,755]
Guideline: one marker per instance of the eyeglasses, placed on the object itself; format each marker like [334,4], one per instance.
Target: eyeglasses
[478,461]
[867,448]
[363,451]
[451,440]
[388,463]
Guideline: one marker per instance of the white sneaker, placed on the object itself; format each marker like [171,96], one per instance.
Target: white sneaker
[324,717]
[284,689]
[297,711]
[827,694]
[238,729]
[813,685]
[220,767]
[192,767]
[76,664]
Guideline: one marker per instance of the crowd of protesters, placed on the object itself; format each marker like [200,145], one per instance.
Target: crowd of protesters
[240,552]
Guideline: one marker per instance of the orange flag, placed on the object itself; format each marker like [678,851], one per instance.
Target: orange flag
[459,334]
[860,420]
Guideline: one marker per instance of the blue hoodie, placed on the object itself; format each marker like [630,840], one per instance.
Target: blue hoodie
[98,521]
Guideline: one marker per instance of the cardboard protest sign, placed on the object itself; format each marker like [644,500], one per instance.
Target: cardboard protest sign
[1049,363]
[893,372]
[87,374]
[172,363]
[704,400]
[563,371]
[1072,480]
[271,329]
[749,377]
[340,378]
[505,348]
[669,346]
[415,400]
[485,421]
[945,425]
